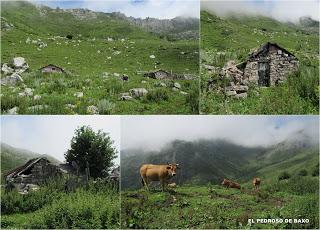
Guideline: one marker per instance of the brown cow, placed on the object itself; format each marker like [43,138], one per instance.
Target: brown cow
[256,182]
[230,184]
[162,173]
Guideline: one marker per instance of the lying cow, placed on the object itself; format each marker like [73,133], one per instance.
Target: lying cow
[230,184]
[162,173]
[256,182]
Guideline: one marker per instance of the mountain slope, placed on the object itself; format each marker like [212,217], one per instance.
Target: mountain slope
[212,160]
[12,157]
[234,38]
[100,49]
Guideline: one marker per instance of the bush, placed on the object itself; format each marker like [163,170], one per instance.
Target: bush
[284,176]
[105,107]
[303,172]
[13,202]
[83,210]
[158,95]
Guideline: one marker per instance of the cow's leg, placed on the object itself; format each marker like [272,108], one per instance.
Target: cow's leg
[163,185]
[146,183]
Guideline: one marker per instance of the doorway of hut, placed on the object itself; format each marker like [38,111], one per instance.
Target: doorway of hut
[264,74]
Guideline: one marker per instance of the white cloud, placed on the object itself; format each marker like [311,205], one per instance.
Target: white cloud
[52,134]
[164,9]
[282,10]
[153,132]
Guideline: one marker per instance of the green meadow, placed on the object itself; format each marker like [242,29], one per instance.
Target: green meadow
[102,49]
[234,38]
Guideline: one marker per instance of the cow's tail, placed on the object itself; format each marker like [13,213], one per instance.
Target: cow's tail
[142,181]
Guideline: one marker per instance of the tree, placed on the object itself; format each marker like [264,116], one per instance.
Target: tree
[96,148]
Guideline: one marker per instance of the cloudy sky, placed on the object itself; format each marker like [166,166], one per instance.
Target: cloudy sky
[164,9]
[52,134]
[153,132]
[282,10]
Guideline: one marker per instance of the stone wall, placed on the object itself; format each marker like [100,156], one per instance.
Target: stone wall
[40,172]
[281,64]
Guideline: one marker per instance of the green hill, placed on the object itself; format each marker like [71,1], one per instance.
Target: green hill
[209,161]
[12,157]
[234,38]
[103,47]
[199,201]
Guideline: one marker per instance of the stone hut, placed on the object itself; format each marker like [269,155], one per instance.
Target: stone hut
[159,74]
[269,65]
[51,69]
[35,171]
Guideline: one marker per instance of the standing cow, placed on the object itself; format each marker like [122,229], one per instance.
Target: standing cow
[230,184]
[162,173]
[256,182]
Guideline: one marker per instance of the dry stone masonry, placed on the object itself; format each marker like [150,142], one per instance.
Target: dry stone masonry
[268,66]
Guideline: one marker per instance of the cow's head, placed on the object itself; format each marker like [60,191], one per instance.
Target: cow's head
[224,182]
[172,169]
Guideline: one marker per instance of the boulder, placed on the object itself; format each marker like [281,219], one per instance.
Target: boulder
[37,97]
[28,92]
[152,56]
[126,98]
[37,108]
[13,111]
[241,96]
[19,62]
[183,93]
[231,93]
[6,70]
[138,92]
[78,94]
[12,79]
[177,85]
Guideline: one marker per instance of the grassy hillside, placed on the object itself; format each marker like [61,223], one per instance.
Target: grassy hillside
[215,207]
[233,38]
[209,161]
[12,157]
[95,63]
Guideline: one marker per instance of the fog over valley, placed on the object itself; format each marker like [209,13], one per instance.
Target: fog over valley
[154,132]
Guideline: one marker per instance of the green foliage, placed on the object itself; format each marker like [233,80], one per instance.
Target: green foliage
[94,148]
[158,95]
[315,171]
[296,185]
[303,172]
[306,207]
[13,202]
[94,206]
[284,176]
[215,207]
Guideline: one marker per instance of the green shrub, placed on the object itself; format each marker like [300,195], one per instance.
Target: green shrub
[105,106]
[81,209]
[283,176]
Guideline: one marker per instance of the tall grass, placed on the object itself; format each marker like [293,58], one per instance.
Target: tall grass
[93,206]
